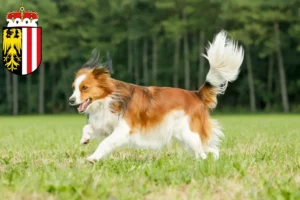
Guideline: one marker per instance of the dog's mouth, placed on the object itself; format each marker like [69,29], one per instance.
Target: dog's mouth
[82,107]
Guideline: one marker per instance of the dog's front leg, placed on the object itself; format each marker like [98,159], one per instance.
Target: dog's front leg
[88,134]
[118,138]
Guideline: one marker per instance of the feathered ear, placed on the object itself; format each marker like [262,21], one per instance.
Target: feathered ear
[94,61]
[98,71]
[108,64]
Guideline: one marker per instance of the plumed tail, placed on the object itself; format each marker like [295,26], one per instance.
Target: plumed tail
[225,58]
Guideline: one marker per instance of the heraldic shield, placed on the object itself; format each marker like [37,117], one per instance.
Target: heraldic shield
[22,49]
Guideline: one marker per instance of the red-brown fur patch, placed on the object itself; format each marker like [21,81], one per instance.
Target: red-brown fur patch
[208,96]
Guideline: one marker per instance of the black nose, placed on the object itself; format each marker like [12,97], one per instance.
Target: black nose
[72,101]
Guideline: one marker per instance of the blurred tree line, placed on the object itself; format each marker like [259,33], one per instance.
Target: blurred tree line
[155,42]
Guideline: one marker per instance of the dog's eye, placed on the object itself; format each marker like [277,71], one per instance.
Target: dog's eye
[84,87]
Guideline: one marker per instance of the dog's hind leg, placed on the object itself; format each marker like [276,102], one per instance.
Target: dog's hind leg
[191,141]
[117,139]
[213,143]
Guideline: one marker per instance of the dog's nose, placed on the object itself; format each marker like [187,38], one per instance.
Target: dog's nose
[72,101]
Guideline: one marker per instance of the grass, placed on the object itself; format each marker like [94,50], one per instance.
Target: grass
[41,158]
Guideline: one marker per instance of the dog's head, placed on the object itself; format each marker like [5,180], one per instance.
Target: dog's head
[92,83]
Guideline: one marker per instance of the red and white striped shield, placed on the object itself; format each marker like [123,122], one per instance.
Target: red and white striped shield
[22,49]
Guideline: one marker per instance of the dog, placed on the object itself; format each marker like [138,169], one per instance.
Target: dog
[150,117]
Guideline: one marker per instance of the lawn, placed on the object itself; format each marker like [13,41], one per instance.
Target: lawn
[41,158]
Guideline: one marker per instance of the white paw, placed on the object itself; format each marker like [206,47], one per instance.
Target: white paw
[85,140]
[216,156]
[92,159]
[200,155]
[203,156]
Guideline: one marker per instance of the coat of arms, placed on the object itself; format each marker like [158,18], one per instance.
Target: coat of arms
[22,42]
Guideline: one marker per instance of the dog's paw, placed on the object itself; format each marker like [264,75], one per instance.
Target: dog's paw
[84,141]
[92,159]
[203,156]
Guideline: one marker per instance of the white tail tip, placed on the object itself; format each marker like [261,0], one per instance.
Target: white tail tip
[225,58]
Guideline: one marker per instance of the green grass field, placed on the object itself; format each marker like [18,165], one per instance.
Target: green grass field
[41,158]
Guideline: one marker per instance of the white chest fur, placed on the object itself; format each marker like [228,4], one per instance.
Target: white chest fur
[101,119]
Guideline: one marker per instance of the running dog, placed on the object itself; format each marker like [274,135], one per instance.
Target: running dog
[150,117]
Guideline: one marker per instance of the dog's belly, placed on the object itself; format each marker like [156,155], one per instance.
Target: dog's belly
[172,126]
[175,125]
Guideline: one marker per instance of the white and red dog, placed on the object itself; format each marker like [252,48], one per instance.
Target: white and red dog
[149,117]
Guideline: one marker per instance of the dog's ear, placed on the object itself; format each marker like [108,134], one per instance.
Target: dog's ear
[98,71]
[108,63]
[94,61]
[95,64]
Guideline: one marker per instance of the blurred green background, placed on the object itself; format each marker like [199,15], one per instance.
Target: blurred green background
[160,43]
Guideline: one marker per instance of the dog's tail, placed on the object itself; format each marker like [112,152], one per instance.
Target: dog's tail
[225,58]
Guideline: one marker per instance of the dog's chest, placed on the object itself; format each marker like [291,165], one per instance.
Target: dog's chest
[103,121]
